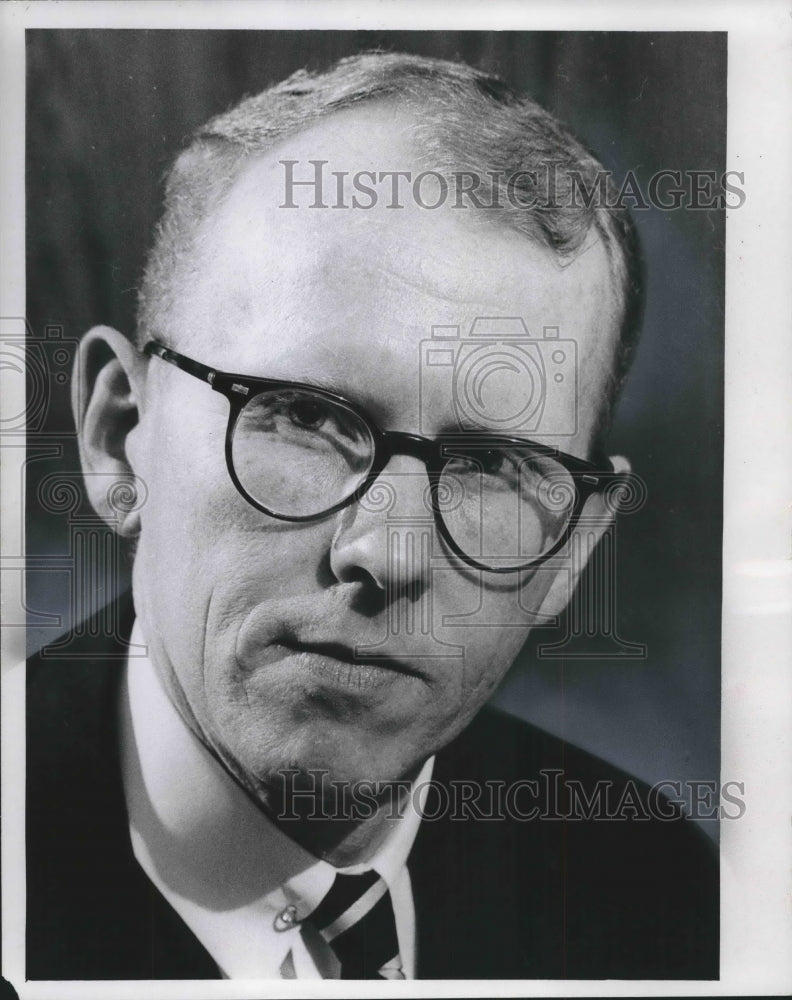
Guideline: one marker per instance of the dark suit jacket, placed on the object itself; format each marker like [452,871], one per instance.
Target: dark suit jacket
[494,898]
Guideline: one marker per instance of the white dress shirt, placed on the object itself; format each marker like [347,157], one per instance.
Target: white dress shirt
[226,869]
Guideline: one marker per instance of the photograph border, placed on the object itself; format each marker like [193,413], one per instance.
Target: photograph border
[757,552]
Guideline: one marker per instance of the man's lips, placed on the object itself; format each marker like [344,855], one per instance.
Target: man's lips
[345,654]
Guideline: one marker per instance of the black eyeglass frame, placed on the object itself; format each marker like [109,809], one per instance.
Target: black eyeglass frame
[587,477]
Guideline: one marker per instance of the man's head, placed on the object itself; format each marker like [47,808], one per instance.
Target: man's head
[254,623]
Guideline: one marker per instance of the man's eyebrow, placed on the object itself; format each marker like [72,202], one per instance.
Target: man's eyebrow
[322,380]
[336,384]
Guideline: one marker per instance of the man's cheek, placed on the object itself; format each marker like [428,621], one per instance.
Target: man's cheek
[489,651]
[478,676]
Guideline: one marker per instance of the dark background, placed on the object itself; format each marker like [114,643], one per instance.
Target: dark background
[107,111]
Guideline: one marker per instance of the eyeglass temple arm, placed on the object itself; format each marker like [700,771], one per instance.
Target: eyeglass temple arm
[203,372]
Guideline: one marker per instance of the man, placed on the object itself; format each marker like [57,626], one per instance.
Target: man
[347,523]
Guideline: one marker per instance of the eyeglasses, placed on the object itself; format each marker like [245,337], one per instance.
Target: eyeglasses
[300,453]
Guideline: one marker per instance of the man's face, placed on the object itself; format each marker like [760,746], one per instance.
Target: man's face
[239,609]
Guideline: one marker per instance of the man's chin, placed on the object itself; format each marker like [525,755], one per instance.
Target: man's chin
[330,785]
[287,741]
[341,784]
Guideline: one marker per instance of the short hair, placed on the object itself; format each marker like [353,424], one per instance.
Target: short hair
[466,120]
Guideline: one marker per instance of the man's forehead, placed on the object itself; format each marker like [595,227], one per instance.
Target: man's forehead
[361,178]
[460,254]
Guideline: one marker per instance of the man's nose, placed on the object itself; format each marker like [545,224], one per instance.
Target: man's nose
[387,536]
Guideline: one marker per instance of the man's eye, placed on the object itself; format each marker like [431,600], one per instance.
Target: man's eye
[492,462]
[307,413]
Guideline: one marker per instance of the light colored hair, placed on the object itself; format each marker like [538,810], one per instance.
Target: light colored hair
[465,121]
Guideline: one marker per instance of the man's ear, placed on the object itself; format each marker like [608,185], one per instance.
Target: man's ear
[106,396]
[597,517]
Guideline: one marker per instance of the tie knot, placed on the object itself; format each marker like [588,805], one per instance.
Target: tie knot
[356,919]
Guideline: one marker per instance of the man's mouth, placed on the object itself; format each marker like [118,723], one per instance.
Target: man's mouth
[339,664]
[325,643]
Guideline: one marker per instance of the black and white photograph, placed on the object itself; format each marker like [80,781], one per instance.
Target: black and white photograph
[377,525]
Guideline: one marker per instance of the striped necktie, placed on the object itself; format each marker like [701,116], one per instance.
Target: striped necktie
[356,919]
